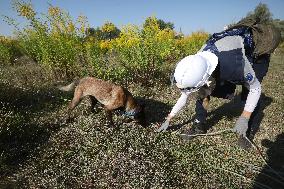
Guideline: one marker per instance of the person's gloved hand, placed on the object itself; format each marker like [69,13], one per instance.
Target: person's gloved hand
[164,126]
[241,126]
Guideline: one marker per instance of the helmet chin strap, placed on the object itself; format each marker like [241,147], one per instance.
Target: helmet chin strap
[204,81]
[172,79]
[208,83]
[190,90]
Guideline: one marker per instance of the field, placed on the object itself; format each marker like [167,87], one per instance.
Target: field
[40,150]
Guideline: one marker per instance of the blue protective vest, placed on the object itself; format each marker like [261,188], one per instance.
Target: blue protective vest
[231,65]
[231,62]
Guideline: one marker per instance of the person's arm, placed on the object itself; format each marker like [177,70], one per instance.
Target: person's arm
[177,107]
[252,98]
[254,87]
[181,102]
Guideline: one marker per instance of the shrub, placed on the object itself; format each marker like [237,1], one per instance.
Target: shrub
[143,52]
[5,56]
[9,50]
[69,48]
[53,40]
[192,43]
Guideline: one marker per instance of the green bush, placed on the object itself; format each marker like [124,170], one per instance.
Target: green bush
[5,56]
[143,53]
[9,50]
[53,41]
[67,49]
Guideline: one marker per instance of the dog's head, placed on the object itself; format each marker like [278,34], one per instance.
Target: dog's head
[140,115]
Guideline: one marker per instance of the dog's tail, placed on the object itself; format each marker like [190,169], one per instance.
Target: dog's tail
[69,87]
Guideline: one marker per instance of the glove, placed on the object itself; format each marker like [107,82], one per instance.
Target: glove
[241,126]
[164,126]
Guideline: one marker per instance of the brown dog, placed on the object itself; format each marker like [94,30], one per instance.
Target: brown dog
[111,96]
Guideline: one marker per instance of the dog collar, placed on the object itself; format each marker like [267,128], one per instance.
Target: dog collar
[132,112]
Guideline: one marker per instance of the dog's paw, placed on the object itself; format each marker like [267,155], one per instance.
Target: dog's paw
[69,120]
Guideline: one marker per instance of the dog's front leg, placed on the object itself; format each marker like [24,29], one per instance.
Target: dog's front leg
[94,101]
[109,117]
[75,101]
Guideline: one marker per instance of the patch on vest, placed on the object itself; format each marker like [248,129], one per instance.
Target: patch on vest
[249,77]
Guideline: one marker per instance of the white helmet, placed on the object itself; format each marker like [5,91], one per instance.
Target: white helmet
[194,71]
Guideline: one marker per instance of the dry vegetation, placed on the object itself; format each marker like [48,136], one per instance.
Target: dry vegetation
[39,150]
